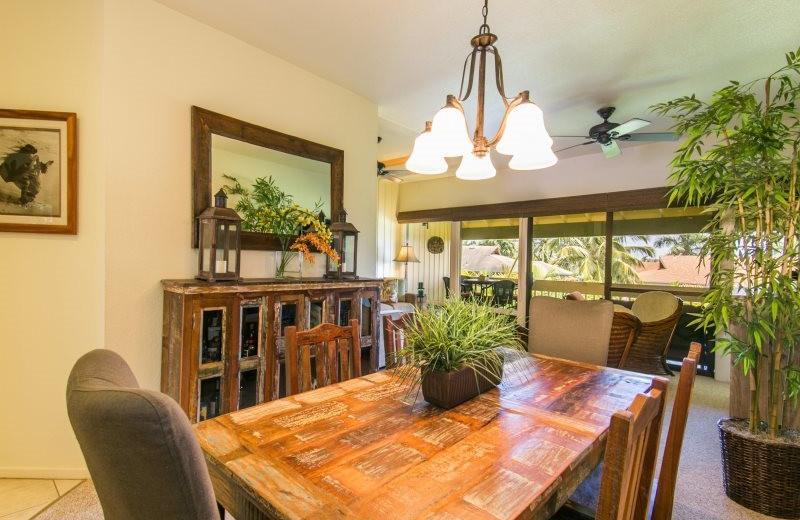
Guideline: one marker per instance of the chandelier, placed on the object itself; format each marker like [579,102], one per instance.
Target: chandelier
[521,135]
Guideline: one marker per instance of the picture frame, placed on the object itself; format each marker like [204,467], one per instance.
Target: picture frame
[38,172]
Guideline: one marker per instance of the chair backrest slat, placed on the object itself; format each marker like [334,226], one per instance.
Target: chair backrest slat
[336,351]
[321,368]
[665,492]
[629,460]
[306,369]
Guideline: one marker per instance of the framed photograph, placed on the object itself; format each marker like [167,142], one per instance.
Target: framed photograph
[38,172]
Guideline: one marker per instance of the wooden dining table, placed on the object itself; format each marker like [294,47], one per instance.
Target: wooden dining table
[368,449]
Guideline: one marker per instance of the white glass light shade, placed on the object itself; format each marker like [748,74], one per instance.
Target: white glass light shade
[450,132]
[524,129]
[474,168]
[533,159]
[425,158]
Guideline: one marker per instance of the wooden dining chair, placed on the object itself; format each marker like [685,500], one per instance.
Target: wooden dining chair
[629,461]
[394,338]
[337,356]
[668,474]
[630,458]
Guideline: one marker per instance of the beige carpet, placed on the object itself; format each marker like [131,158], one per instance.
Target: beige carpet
[699,494]
[80,503]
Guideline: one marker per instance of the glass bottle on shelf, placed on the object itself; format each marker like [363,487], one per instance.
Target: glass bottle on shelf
[211,337]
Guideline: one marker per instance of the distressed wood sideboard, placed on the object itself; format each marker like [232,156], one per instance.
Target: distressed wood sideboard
[222,344]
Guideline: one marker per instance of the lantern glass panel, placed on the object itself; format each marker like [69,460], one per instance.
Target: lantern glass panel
[221,257]
[348,256]
[335,245]
[205,226]
[233,231]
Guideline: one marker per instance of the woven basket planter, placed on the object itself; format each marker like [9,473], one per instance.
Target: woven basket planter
[449,389]
[760,474]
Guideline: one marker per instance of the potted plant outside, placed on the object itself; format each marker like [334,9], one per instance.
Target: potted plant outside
[456,351]
[740,161]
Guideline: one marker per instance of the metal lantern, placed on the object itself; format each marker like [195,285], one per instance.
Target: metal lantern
[220,245]
[345,242]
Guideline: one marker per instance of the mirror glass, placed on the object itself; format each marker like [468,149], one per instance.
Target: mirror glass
[306,180]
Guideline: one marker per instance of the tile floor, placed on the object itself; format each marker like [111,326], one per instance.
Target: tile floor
[21,499]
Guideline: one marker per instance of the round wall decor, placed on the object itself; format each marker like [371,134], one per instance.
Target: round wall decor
[435,245]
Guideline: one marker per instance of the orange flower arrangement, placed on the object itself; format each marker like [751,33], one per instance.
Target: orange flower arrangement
[308,241]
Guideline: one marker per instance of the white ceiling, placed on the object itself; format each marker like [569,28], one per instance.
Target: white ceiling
[574,56]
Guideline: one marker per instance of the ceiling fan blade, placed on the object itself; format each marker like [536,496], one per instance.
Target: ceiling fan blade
[664,136]
[628,127]
[611,149]
[575,146]
[570,137]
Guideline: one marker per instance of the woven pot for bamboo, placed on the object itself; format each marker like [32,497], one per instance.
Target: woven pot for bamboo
[759,473]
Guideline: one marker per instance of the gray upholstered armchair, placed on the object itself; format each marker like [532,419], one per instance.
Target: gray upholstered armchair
[138,444]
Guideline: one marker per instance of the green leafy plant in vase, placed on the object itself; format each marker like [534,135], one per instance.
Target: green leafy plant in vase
[456,350]
[265,208]
[740,161]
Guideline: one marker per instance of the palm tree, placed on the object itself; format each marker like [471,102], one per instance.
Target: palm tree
[685,244]
[585,256]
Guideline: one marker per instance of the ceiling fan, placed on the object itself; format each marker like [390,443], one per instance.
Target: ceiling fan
[606,134]
[392,175]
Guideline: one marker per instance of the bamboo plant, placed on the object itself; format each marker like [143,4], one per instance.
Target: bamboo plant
[739,159]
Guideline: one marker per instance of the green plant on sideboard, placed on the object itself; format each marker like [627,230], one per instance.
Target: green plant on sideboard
[265,208]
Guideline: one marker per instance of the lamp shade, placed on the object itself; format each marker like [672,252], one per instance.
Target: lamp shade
[474,167]
[450,132]
[406,254]
[524,128]
[425,158]
[533,159]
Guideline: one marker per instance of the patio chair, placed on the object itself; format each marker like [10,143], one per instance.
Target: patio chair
[337,356]
[503,293]
[659,313]
[624,328]
[575,330]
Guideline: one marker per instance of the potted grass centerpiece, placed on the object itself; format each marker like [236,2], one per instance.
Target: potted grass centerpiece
[456,351]
[740,161]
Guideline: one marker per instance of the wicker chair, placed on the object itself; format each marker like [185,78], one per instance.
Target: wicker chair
[624,328]
[659,313]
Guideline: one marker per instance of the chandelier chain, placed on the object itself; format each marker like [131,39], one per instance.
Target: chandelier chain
[485,11]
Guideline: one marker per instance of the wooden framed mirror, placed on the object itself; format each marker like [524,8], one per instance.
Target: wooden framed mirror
[225,145]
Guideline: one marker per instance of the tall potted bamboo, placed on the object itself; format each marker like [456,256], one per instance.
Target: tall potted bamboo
[740,160]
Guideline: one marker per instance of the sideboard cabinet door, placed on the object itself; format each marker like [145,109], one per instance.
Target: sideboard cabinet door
[210,347]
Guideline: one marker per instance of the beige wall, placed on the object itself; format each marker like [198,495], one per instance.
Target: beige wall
[641,166]
[51,287]
[132,69]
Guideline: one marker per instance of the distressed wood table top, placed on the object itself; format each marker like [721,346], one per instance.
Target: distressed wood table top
[359,449]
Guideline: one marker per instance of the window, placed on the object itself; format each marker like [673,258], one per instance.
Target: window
[568,254]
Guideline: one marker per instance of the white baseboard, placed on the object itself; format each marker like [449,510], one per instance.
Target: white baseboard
[48,473]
